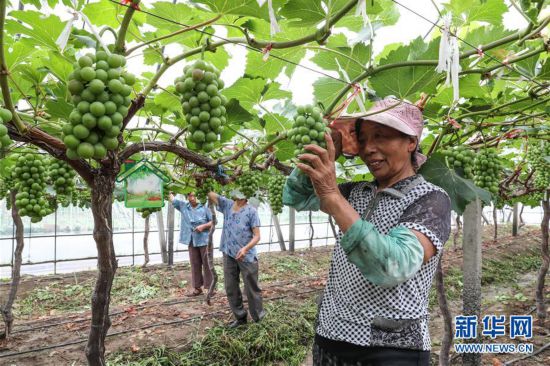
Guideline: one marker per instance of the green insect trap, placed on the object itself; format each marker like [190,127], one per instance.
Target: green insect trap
[143,185]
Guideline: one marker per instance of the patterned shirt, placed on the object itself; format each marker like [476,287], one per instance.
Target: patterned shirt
[191,217]
[357,311]
[237,228]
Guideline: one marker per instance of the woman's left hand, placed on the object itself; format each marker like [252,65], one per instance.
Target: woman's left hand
[321,170]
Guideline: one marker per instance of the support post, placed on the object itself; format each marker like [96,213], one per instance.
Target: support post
[291,227]
[515,221]
[471,293]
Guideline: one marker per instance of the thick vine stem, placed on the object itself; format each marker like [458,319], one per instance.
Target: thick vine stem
[4,72]
[120,41]
[195,158]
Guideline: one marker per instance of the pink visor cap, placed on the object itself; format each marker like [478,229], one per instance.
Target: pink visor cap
[399,115]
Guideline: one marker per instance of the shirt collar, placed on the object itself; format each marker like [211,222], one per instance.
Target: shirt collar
[199,205]
[396,189]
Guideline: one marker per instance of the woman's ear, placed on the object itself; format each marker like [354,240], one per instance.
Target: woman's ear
[412,144]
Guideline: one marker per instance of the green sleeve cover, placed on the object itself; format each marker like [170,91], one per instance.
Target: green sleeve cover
[385,260]
[298,192]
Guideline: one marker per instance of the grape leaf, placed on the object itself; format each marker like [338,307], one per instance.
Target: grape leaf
[168,100]
[236,114]
[326,89]
[276,123]
[468,11]
[352,60]
[246,91]
[461,191]
[241,7]
[309,12]
[42,30]
[272,67]
[284,150]
[59,109]
[407,82]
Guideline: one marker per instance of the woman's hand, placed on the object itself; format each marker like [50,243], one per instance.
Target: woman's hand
[322,172]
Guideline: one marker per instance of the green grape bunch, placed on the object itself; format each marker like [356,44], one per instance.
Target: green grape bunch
[460,157]
[249,183]
[82,197]
[100,90]
[275,186]
[6,184]
[487,170]
[30,182]
[62,177]
[5,117]
[536,154]
[202,103]
[208,185]
[146,212]
[308,128]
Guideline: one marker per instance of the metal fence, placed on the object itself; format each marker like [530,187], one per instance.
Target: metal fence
[63,241]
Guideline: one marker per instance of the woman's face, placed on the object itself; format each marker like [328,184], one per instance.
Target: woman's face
[386,151]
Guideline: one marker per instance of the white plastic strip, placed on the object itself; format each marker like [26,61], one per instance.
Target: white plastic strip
[63,38]
[97,36]
[362,10]
[273,25]
[357,98]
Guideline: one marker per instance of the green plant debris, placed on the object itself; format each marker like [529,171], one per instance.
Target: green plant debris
[284,336]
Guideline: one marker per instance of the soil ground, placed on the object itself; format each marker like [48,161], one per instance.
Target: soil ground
[149,307]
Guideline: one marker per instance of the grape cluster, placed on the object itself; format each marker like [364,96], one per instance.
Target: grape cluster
[101,96]
[536,154]
[30,182]
[6,184]
[249,183]
[82,198]
[207,185]
[5,140]
[146,212]
[202,103]
[308,128]
[275,186]
[61,176]
[487,169]
[460,157]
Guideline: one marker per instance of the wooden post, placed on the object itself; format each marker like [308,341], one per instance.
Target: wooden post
[471,293]
[291,227]
[515,221]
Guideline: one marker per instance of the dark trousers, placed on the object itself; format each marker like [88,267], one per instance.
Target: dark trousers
[200,274]
[232,268]
[346,354]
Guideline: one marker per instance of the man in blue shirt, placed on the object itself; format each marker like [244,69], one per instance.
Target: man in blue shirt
[241,232]
[196,219]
